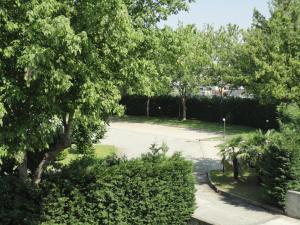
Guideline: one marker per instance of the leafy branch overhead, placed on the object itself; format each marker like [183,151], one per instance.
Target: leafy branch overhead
[62,66]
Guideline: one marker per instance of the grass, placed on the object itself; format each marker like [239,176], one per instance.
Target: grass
[231,130]
[245,187]
[101,151]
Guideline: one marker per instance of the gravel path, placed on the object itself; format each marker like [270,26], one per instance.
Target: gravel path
[133,139]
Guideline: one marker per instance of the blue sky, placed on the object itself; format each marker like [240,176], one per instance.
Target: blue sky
[219,12]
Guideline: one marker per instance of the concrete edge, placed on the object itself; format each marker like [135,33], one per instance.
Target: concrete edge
[251,202]
[197,221]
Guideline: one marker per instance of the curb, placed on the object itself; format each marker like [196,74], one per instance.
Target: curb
[251,202]
[196,221]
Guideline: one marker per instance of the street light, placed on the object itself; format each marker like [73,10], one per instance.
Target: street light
[224,121]
[267,124]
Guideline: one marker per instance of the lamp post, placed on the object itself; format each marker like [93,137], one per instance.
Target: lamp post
[159,109]
[267,124]
[224,121]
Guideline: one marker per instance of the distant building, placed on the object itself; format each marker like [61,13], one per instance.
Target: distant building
[210,91]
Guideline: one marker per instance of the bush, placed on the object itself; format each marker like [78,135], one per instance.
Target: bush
[276,168]
[247,112]
[151,190]
[20,202]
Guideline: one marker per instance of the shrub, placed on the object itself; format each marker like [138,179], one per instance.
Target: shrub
[276,168]
[247,112]
[152,190]
[19,202]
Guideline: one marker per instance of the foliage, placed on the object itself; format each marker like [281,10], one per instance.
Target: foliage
[276,168]
[151,190]
[62,65]
[186,58]
[232,151]
[275,156]
[290,128]
[2,112]
[154,189]
[270,56]
[20,202]
[225,46]
[98,150]
[247,112]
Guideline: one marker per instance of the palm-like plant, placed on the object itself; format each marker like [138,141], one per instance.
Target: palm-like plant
[231,151]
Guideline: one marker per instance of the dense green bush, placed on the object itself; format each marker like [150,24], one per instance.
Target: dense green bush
[19,202]
[276,168]
[276,155]
[247,112]
[150,190]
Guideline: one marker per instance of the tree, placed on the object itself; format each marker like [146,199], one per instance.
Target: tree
[150,78]
[62,64]
[270,56]
[231,151]
[186,59]
[147,77]
[225,44]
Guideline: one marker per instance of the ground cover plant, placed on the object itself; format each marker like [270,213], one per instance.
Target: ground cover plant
[246,187]
[99,151]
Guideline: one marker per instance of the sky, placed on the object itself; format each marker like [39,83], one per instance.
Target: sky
[219,12]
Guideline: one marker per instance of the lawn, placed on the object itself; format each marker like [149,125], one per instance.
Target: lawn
[231,130]
[246,187]
[101,151]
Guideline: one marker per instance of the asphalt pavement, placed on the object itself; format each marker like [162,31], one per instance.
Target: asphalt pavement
[134,139]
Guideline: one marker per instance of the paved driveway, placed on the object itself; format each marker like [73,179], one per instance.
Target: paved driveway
[133,139]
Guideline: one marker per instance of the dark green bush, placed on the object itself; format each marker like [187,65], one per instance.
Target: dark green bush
[276,169]
[151,190]
[280,164]
[247,112]
[19,202]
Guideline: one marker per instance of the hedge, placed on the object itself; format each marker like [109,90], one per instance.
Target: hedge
[154,189]
[238,111]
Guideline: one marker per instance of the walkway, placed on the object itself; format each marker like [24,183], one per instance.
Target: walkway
[134,139]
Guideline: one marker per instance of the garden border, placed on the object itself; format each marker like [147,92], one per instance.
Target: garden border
[234,196]
[196,221]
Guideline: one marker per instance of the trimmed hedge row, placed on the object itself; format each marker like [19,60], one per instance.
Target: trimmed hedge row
[154,189]
[238,111]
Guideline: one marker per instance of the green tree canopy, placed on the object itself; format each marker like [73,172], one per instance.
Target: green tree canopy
[62,64]
[186,59]
[271,53]
[225,44]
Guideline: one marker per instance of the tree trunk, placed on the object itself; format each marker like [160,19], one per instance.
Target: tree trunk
[183,102]
[235,165]
[147,107]
[22,168]
[47,159]
[179,111]
[62,142]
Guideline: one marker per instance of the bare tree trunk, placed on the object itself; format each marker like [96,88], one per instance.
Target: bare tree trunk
[61,143]
[183,102]
[179,111]
[147,109]
[47,159]
[235,165]
[22,168]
